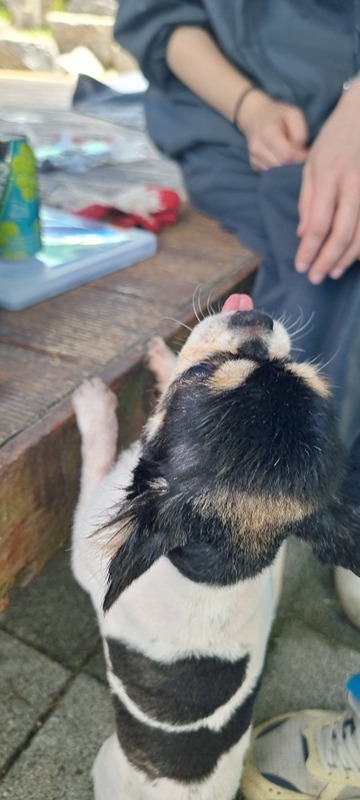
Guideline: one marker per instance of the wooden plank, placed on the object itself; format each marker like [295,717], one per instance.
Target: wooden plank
[30,384]
[85,326]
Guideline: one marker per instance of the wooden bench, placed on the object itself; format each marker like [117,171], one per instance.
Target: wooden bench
[101,328]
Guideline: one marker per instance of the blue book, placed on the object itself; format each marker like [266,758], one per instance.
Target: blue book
[74,251]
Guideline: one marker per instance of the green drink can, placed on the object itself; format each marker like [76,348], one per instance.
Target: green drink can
[19,204]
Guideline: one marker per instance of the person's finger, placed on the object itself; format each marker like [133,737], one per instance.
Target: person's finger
[257,166]
[269,151]
[317,223]
[304,203]
[282,150]
[259,160]
[279,151]
[348,258]
[343,238]
[296,127]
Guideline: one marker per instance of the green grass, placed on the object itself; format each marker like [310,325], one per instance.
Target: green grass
[5,15]
[59,5]
[39,33]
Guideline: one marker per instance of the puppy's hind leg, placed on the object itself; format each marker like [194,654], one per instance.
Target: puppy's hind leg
[94,406]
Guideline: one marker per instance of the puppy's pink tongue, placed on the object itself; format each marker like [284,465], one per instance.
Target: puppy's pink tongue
[238,302]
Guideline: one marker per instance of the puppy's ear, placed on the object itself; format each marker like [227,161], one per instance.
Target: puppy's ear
[153,533]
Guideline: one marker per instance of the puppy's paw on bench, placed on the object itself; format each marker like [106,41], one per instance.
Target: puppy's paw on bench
[161,362]
[95,409]
[94,405]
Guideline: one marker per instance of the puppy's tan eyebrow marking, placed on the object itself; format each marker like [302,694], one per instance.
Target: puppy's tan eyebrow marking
[207,352]
[311,376]
[231,374]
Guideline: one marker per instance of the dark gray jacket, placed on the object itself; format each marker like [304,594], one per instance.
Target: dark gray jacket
[299,51]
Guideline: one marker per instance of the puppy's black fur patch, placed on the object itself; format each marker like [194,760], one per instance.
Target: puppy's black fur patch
[184,757]
[176,693]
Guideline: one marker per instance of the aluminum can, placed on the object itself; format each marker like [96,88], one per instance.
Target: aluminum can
[19,204]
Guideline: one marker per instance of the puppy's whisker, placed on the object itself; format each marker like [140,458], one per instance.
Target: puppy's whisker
[211,308]
[285,321]
[194,298]
[302,335]
[297,324]
[331,359]
[218,307]
[203,308]
[208,304]
[177,344]
[305,324]
[178,322]
[199,313]
[323,364]
[292,323]
[303,327]
[198,297]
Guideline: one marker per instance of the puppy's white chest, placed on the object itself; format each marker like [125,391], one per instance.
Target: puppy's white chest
[165,615]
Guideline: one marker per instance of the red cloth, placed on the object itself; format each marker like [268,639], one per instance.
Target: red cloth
[168,213]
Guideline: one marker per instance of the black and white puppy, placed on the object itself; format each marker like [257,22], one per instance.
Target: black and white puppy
[241,451]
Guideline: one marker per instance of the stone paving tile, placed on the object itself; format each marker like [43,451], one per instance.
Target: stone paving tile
[313,648]
[309,597]
[54,614]
[304,670]
[29,683]
[57,763]
[96,665]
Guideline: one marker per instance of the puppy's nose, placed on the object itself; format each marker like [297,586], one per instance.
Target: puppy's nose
[250,319]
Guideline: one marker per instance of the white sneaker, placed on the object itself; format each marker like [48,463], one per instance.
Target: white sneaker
[306,755]
[348,591]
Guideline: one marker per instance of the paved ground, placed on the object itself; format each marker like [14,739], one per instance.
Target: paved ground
[55,709]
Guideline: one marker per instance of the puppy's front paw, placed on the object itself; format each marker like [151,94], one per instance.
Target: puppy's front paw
[161,362]
[94,405]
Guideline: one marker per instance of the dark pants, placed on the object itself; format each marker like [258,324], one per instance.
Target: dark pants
[262,210]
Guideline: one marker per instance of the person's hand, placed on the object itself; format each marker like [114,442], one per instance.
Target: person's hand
[276,133]
[329,203]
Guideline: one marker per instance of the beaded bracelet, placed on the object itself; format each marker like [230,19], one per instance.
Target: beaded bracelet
[240,101]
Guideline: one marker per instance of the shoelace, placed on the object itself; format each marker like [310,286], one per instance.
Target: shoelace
[339,742]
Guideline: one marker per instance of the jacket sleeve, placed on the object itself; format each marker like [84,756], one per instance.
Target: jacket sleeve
[144,27]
